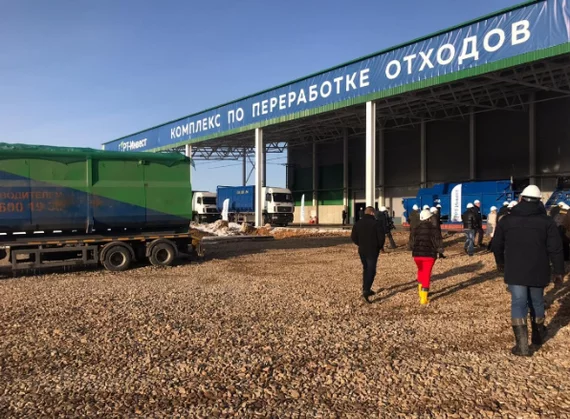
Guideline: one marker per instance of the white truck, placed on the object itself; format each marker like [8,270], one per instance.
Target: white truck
[277,203]
[204,207]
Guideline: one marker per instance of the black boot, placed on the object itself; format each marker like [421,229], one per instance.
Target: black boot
[539,331]
[521,336]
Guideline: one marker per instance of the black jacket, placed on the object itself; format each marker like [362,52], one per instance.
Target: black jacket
[427,240]
[436,221]
[478,216]
[414,219]
[525,243]
[504,210]
[369,235]
[554,211]
[469,219]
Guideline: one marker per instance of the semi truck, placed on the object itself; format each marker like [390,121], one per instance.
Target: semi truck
[277,204]
[204,207]
[78,206]
[454,197]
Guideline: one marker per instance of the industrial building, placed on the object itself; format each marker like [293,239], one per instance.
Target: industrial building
[484,100]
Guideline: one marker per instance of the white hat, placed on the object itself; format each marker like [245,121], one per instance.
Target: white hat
[424,215]
[426,207]
[469,205]
[531,191]
[433,210]
[382,209]
[512,204]
[565,207]
[493,208]
[415,207]
[561,204]
[476,201]
[438,205]
[505,203]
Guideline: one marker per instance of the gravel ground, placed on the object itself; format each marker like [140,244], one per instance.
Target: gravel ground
[276,329]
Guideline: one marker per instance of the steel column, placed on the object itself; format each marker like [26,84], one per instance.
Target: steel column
[380,165]
[258,176]
[423,154]
[315,175]
[532,139]
[370,153]
[345,169]
[472,146]
[264,164]
[244,168]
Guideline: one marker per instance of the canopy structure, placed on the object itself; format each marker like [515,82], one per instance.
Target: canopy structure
[508,61]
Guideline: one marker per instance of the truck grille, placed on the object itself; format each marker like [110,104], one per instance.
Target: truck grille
[284,209]
[211,210]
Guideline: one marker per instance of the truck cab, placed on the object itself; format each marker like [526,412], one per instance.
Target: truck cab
[204,207]
[278,206]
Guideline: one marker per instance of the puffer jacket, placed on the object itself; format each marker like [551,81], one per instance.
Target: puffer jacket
[427,240]
[469,220]
[414,219]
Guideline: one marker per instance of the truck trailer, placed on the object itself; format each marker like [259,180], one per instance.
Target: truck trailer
[277,204]
[77,206]
[204,207]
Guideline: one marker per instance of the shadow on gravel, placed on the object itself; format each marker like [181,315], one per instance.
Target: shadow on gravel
[221,251]
[479,279]
[412,285]
[562,317]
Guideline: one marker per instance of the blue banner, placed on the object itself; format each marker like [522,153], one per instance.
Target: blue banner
[531,28]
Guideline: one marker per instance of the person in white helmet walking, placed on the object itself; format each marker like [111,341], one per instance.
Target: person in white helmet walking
[385,218]
[414,220]
[479,228]
[491,226]
[562,221]
[469,219]
[525,244]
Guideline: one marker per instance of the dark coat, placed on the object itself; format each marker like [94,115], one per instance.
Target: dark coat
[436,221]
[414,219]
[504,210]
[525,243]
[427,240]
[369,235]
[478,216]
[554,211]
[469,219]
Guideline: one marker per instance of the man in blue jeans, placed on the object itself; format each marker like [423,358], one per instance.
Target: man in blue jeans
[469,218]
[525,244]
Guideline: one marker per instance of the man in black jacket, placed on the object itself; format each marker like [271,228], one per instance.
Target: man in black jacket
[414,221]
[479,216]
[469,219]
[525,243]
[369,235]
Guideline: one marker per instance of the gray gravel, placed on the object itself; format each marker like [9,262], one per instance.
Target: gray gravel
[276,329]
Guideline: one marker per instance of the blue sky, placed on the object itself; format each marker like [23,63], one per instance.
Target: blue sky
[83,72]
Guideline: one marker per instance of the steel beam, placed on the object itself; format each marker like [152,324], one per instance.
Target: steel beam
[258,177]
[370,153]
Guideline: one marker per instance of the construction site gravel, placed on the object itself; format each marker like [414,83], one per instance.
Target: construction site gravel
[277,329]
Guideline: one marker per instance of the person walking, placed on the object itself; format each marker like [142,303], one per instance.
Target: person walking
[388,225]
[504,210]
[414,220]
[491,225]
[479,228]
[561,220]
[469,225]
[428,243]
[369,235]
[525,244]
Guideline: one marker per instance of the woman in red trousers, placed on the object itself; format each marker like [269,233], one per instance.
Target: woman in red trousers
[428,243]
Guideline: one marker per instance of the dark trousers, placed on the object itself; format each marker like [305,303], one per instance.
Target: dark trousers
[479,233]
[391,240]
[368,271]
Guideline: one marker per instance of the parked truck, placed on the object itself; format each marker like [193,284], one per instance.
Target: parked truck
[277,204]
[75,206]
[454,197]
[204,207]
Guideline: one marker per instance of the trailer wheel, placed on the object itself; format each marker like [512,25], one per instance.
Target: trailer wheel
[116,257]
[162,254]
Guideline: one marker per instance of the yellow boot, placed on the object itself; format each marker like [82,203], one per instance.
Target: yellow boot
[424,300]
[420,291]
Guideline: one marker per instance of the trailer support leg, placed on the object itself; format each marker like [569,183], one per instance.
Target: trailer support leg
[370,153]
[258,176]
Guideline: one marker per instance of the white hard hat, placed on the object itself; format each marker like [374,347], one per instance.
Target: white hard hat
[531,191]
[505,203]
[438,205]
[469,205]
[561,204]
[565,207]
[415,207]
[433,210]
[426,207]
[476,201]
[424,215]
[493,208]
[382,209]
[512,204]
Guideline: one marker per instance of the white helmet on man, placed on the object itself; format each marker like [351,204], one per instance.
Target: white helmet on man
[469,205]
[506,204]
[383,209]
[425,214]
[438,205]
[426,207]
[433,210]
[565,206]
[415,207]
[512,204]
[531,191]
[476,202]
[493,208]
[561,204]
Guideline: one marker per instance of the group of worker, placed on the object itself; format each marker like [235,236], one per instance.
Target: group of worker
[526,242]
